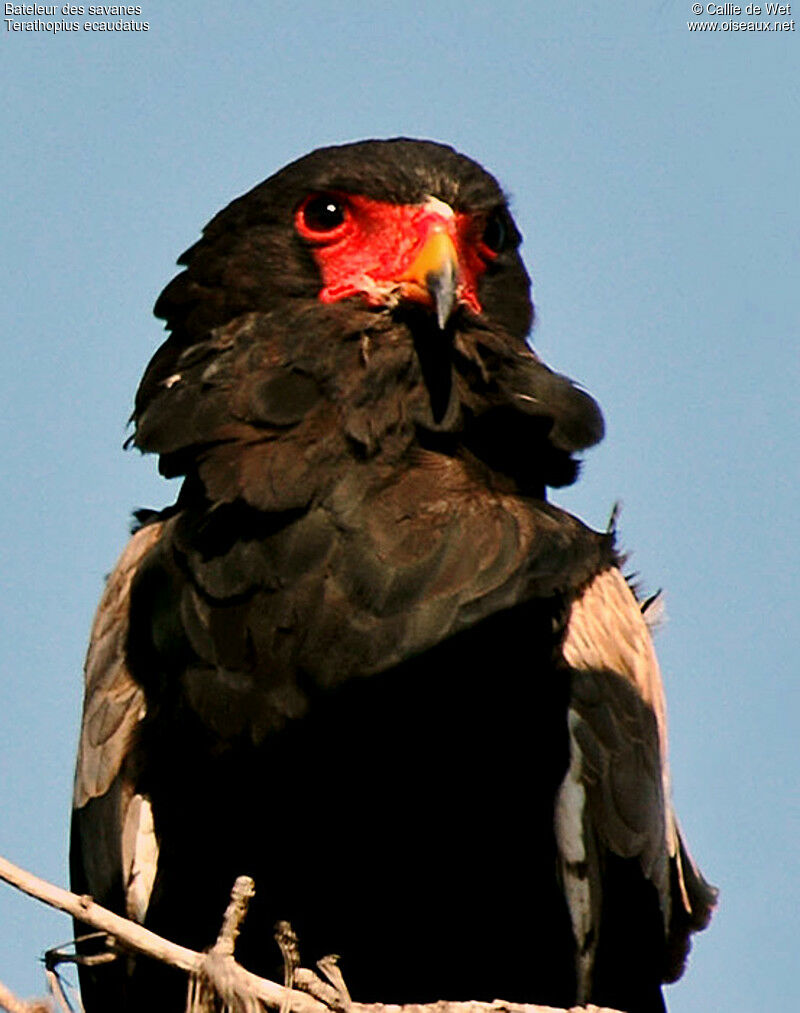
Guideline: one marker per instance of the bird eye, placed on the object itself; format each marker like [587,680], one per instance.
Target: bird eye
[321,214]
[495,234]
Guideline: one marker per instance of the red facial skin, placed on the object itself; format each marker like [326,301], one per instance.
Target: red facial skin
[371,253]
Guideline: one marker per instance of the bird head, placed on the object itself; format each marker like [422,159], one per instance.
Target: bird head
[380,224]
[366,297]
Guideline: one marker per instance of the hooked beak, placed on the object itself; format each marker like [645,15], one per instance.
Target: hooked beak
[434,274]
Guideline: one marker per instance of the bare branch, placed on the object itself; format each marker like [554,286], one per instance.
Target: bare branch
[141,940]
[249,987]
[9,1002]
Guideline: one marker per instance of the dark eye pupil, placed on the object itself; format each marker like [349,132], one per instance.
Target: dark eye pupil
[494,235]
[323,213]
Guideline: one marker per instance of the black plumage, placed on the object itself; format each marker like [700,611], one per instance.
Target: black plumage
[362,658]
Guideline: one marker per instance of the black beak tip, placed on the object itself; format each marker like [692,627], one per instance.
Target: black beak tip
[442,287]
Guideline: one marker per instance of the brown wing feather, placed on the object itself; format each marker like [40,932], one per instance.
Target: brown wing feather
[114,844]
[113,850]
[616,796]
[113,701]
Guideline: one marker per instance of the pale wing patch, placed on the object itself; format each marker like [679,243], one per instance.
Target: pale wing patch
[573,841]
[139,856]
[607,630]
[113,702]
[616,790]
[618,744]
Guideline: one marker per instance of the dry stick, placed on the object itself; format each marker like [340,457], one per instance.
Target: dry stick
[243,889]
[142,940]
[286,938]
[8,1001]
[57,990]
[330,968]
[220,977]
[135,937]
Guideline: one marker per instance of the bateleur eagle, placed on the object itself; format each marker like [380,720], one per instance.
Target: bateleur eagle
[362,658]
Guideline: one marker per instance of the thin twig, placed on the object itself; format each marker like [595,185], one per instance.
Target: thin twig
[141,940]
[57,990]
[219,976]
[130,936]
[286,938]
[243,889]
[330,968]
[9,1002]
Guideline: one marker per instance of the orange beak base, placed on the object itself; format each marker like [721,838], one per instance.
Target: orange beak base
[434,274]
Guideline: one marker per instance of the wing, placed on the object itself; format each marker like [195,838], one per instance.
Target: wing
[114,851]
[615,799]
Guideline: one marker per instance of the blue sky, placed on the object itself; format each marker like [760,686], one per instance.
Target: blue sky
[654,174]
